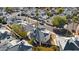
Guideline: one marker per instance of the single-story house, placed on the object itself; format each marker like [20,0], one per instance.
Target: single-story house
[72,44]
[40,35]
[16,45]
[73,27]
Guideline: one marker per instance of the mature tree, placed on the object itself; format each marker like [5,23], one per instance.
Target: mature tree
[2,21]
[19,30]
[36,12]
[59,21]
[59,10]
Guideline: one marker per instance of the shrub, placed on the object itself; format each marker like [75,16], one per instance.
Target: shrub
[48,12]
[59,21]
[4,22]
[41,48]
[31,41]
[8,9]
[1,20]
[75,18]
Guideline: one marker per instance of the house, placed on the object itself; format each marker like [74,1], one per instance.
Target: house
[71,26]
[72,44]
[77,30]
[27,27]
[19,46]
[61,41]
[68,43]
[9,43]
[12,20]
[5,35]
[62,32]
[43,14]
[30,12]
[16,45]
[41,35]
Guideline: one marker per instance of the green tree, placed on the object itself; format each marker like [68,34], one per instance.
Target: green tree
[36,12]
[59,21]
[75,19]
[48,12]
[8,9]
[19,30]
[3,21]
[59,10]
[31,41]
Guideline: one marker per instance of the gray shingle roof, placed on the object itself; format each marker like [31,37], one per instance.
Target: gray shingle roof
[72,45]
[20,48]
[17,47]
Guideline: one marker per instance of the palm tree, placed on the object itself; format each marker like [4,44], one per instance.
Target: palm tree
[38,34]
